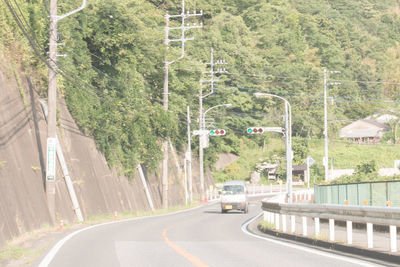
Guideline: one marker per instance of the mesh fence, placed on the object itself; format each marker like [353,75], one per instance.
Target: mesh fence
[374,194]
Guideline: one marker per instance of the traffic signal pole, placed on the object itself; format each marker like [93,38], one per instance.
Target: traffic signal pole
[288,142]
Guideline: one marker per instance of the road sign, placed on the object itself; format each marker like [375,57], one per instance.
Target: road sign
[200,132]
[310,161]
[51,159]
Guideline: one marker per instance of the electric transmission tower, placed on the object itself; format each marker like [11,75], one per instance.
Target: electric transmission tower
[182,40]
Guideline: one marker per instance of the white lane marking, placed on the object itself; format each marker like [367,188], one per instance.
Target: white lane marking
[52,253]
[309,250]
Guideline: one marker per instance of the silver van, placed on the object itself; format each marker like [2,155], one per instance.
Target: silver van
[234,196]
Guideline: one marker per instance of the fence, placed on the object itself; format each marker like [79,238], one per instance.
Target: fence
[369,193]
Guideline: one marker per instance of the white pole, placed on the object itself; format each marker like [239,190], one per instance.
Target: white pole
[277,221]
[370,235]
[331,229]
[393,238]
[68,181]
[326,126]
[349,227]
[317,227]
[284,223]
[304,226]
[293,223]
[185,180]
[189,156]
[141,174]
[308,172]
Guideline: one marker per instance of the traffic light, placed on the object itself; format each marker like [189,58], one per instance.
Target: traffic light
[255,130]
[217,132]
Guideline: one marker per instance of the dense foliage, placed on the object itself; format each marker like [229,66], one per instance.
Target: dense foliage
[112,77]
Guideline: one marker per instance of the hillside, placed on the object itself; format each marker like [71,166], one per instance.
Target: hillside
[112,76]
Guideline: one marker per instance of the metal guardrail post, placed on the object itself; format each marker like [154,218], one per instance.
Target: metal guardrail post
[304,225]
[316,227]
[370,235]
[332,230]
[293,224]
[393,238]
[349,229]
[277,221]
[284,216]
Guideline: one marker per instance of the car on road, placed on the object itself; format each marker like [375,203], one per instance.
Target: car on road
[234,196]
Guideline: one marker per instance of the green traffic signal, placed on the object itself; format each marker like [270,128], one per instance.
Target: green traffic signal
[249,130]
[212,132]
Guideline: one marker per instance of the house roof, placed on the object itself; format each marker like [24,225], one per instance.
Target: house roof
[364,128]
[299,168]
[386,118]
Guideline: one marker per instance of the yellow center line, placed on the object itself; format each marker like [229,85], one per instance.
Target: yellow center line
[195,261]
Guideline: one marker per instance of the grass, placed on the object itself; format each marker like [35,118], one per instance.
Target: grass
[15,252]
[263,225]
[347,155]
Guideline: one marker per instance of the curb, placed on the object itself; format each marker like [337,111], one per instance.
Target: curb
[373,254]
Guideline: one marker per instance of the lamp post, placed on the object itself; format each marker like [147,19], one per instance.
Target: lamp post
[288,135]
[202,137]
[326,141]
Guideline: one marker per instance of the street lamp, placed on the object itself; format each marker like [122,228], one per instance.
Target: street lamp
[288,135]
[221,105]
[202,137]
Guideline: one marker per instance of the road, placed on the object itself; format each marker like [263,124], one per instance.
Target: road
[198,237]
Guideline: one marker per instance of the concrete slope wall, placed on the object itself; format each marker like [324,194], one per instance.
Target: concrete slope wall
[100,190]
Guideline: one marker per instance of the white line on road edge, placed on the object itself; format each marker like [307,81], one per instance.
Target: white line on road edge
[309,250]
[50,256]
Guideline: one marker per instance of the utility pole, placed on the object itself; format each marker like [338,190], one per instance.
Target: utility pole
[188,157]
[326,160]
[203,137]
[183,28]
[52,102]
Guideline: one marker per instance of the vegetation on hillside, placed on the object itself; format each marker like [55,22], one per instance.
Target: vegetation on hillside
[112,77]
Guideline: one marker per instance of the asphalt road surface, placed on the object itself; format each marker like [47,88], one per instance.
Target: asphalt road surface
[198,237]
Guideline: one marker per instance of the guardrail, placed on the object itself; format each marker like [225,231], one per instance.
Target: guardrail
[257,190]
[388,216]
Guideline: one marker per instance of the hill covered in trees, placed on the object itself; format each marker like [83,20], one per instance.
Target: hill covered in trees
[112,76]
